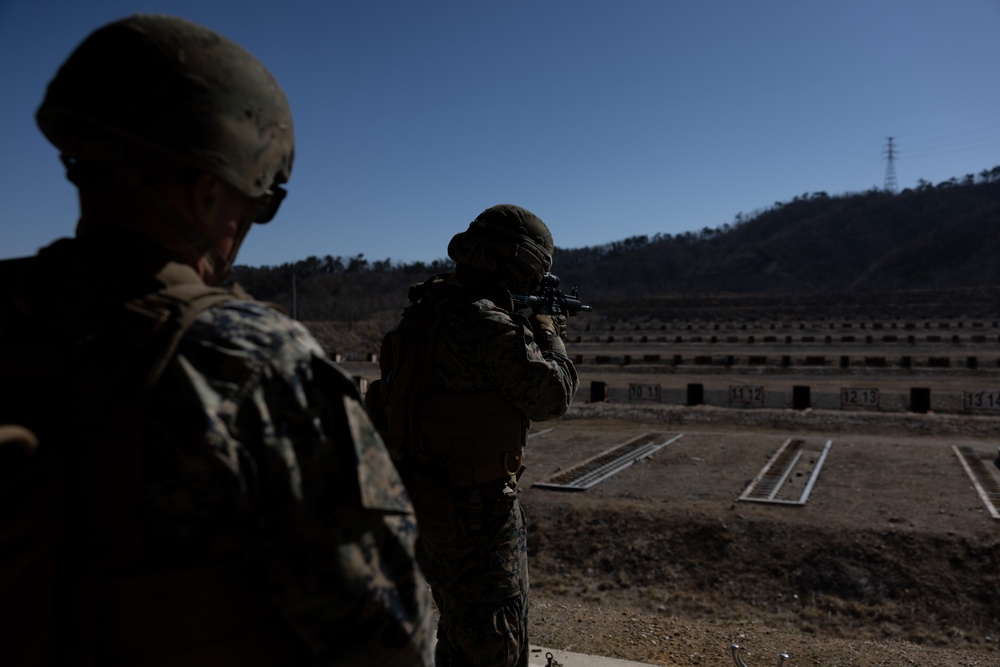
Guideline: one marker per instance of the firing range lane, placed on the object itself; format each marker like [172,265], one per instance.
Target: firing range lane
[909,483]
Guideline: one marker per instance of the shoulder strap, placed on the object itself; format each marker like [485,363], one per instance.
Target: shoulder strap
[170,312]
[151,331]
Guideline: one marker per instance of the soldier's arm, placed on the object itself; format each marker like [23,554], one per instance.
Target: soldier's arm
[337,529]
[541,382]
[323,514]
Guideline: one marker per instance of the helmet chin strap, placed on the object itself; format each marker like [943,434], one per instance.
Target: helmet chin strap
[225,266]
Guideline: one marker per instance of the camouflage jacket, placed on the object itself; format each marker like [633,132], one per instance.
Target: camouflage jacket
[255,452]
[481,346]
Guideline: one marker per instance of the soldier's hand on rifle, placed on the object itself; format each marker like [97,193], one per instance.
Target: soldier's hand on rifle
[546,327]
[560,322]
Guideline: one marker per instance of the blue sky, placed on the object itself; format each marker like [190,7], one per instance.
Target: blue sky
[607,119]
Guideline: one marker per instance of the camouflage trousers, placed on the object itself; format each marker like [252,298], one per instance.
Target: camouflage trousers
[477,566]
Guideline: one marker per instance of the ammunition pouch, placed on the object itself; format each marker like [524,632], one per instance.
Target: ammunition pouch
[479,437]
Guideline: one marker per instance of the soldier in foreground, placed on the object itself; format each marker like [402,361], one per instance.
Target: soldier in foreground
[186,479]
[462,378]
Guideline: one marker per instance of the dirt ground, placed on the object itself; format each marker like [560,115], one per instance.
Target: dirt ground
[892,560]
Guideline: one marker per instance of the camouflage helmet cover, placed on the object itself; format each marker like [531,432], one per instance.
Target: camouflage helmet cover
[178,87]
[506,238]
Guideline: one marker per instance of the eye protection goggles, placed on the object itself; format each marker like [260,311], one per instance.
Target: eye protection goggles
[267,204]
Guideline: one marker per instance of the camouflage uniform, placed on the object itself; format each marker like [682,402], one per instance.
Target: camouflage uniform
[260,481]
[472,545]
[202,486]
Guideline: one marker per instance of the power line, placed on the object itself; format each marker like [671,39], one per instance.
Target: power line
[983,135]
[970,132]
[965,146]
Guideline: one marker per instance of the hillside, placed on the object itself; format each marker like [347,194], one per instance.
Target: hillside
[873,243]
[921,249]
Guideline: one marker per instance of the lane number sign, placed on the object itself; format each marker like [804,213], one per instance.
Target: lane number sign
[858,398]
[743,393]
[644,392]
[982,400]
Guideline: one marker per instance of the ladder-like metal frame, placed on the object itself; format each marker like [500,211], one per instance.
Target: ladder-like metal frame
[589,472]
[986,481]
[766,486]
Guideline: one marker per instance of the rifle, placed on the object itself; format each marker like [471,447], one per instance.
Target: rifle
[548,299]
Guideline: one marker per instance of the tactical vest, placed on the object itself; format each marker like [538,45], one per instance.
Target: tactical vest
[479,438]
[73,587]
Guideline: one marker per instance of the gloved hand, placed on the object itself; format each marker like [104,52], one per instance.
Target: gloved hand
[548,326]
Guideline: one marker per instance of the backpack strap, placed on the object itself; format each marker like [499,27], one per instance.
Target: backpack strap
[166,315]
[151,329]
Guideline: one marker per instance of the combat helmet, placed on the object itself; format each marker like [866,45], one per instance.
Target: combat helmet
[508,240]
[156,84]
[175,86]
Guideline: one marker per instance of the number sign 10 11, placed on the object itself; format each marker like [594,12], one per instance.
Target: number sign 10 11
[644,392]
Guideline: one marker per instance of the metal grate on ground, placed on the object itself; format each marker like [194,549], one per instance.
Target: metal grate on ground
[985,475]
[788,478]
[586,474]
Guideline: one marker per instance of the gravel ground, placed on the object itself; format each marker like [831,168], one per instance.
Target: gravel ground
[893,560]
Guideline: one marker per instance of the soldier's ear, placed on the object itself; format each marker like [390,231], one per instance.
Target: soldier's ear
[205,195]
